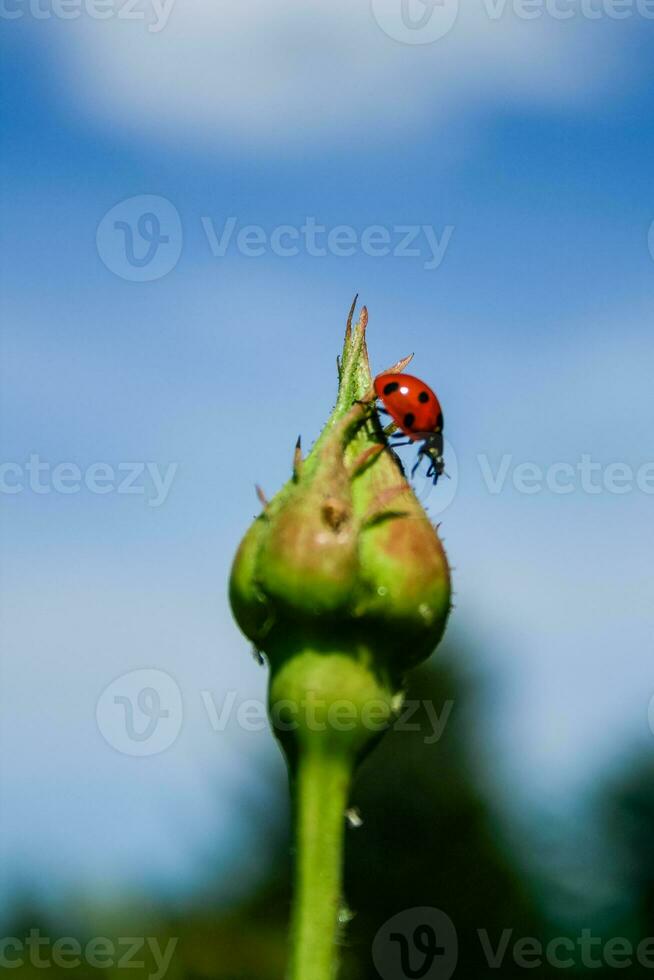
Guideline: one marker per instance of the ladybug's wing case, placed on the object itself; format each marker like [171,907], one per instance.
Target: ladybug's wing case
[411,403]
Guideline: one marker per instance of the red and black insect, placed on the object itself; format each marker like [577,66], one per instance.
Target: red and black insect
[416,411]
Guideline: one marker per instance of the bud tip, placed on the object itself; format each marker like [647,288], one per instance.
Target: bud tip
[348,328]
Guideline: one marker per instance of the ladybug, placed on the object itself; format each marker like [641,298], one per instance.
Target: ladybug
[416,411]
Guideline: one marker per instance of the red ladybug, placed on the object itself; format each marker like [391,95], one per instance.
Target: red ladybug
[416,411]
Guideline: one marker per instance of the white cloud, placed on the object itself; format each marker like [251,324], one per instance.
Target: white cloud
[297,74]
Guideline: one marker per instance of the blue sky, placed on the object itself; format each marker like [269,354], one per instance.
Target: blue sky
[532,141]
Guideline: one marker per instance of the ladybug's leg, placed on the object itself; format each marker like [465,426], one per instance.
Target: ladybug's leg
[417,463]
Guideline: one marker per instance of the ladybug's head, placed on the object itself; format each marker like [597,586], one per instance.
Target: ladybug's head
[433,447]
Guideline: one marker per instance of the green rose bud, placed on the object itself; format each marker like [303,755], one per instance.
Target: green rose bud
[344,559]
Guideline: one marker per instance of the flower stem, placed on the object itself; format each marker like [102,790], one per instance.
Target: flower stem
[321,790]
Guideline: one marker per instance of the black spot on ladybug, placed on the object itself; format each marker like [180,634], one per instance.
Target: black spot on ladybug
[391,387]
[409,419]
[423,397]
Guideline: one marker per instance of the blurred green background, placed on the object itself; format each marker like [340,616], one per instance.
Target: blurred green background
[434,832]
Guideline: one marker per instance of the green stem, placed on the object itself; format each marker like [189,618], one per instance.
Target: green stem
[322,784]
